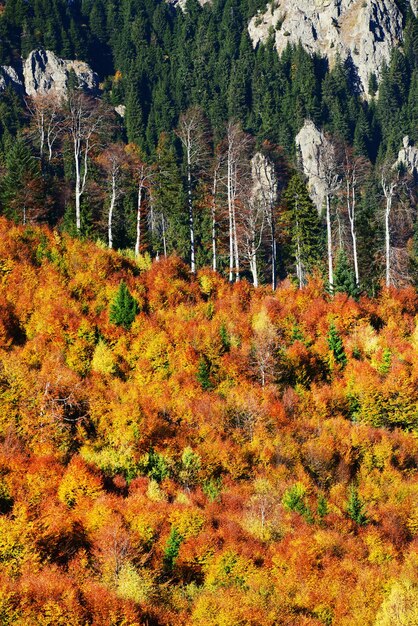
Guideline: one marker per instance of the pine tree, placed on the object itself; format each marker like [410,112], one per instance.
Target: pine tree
[124,307]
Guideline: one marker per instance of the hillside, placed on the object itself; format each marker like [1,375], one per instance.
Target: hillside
[217,454]
[192,129]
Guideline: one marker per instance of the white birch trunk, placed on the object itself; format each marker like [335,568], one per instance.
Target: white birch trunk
[387,238]
[329,244]
[190,203]
[111,210]
[138,221]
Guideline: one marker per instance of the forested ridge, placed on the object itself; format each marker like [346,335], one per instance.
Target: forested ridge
[178,450]
[194,73]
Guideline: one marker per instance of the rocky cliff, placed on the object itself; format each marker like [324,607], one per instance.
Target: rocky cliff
[43,71]
[362,32]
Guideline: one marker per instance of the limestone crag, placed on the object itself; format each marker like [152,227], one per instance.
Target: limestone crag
[264,187]
[312,145]
[182,3]
[361,32]
[10,78]
[414,7]
[43,72]
[408,157]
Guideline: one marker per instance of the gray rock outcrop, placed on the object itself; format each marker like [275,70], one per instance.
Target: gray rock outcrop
[313,148]
[408,157]
[182,3]
[414,7]
[10,78]
[362,32]
[43,72]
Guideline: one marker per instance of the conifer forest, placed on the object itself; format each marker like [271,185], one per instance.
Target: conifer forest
[208,312]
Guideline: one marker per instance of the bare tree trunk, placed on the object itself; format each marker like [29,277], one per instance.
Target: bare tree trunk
[352,217]
[253,264]
[190,203]
[273,256]
[164,236]
[78,191]
[111,209]
[387,238]
[138,220]
[214,224]
[231,224]
[329,244]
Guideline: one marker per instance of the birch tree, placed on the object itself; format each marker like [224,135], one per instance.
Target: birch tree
[193,135]
[46,111]
[332,183]
[214,213]
[114,162]
[266,166]
[85,120]
[236,156]
[354,169]
[389,181]
[143,175]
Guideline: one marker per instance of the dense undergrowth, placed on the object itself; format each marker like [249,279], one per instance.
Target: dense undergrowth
[237,457]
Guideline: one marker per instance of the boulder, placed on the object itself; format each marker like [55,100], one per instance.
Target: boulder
[361,32]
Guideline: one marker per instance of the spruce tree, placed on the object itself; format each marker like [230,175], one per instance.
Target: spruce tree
[304,227]
[344,279]
[336,346]
[355,508]
[124,307]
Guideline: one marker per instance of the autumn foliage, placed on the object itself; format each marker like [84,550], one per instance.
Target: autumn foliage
[232,457]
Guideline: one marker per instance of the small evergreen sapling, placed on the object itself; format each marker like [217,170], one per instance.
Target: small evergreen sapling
[355,508]
[124,307]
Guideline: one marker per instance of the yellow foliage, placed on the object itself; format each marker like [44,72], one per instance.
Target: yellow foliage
[228,569]
[136,585]
[103,360]
[155,493]
[188,522]
[379,553]
[400,607]
[77,483]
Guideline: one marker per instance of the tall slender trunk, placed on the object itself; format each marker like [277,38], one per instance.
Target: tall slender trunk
[164,236]
[273,255]
[138,220]
[190,203]
[253,264]
[236,250]
[351,206]
[234,224]
[214,191]
[299,271]
[329,245]
[111,210]
[78,191]
[231,225]
[387,238]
